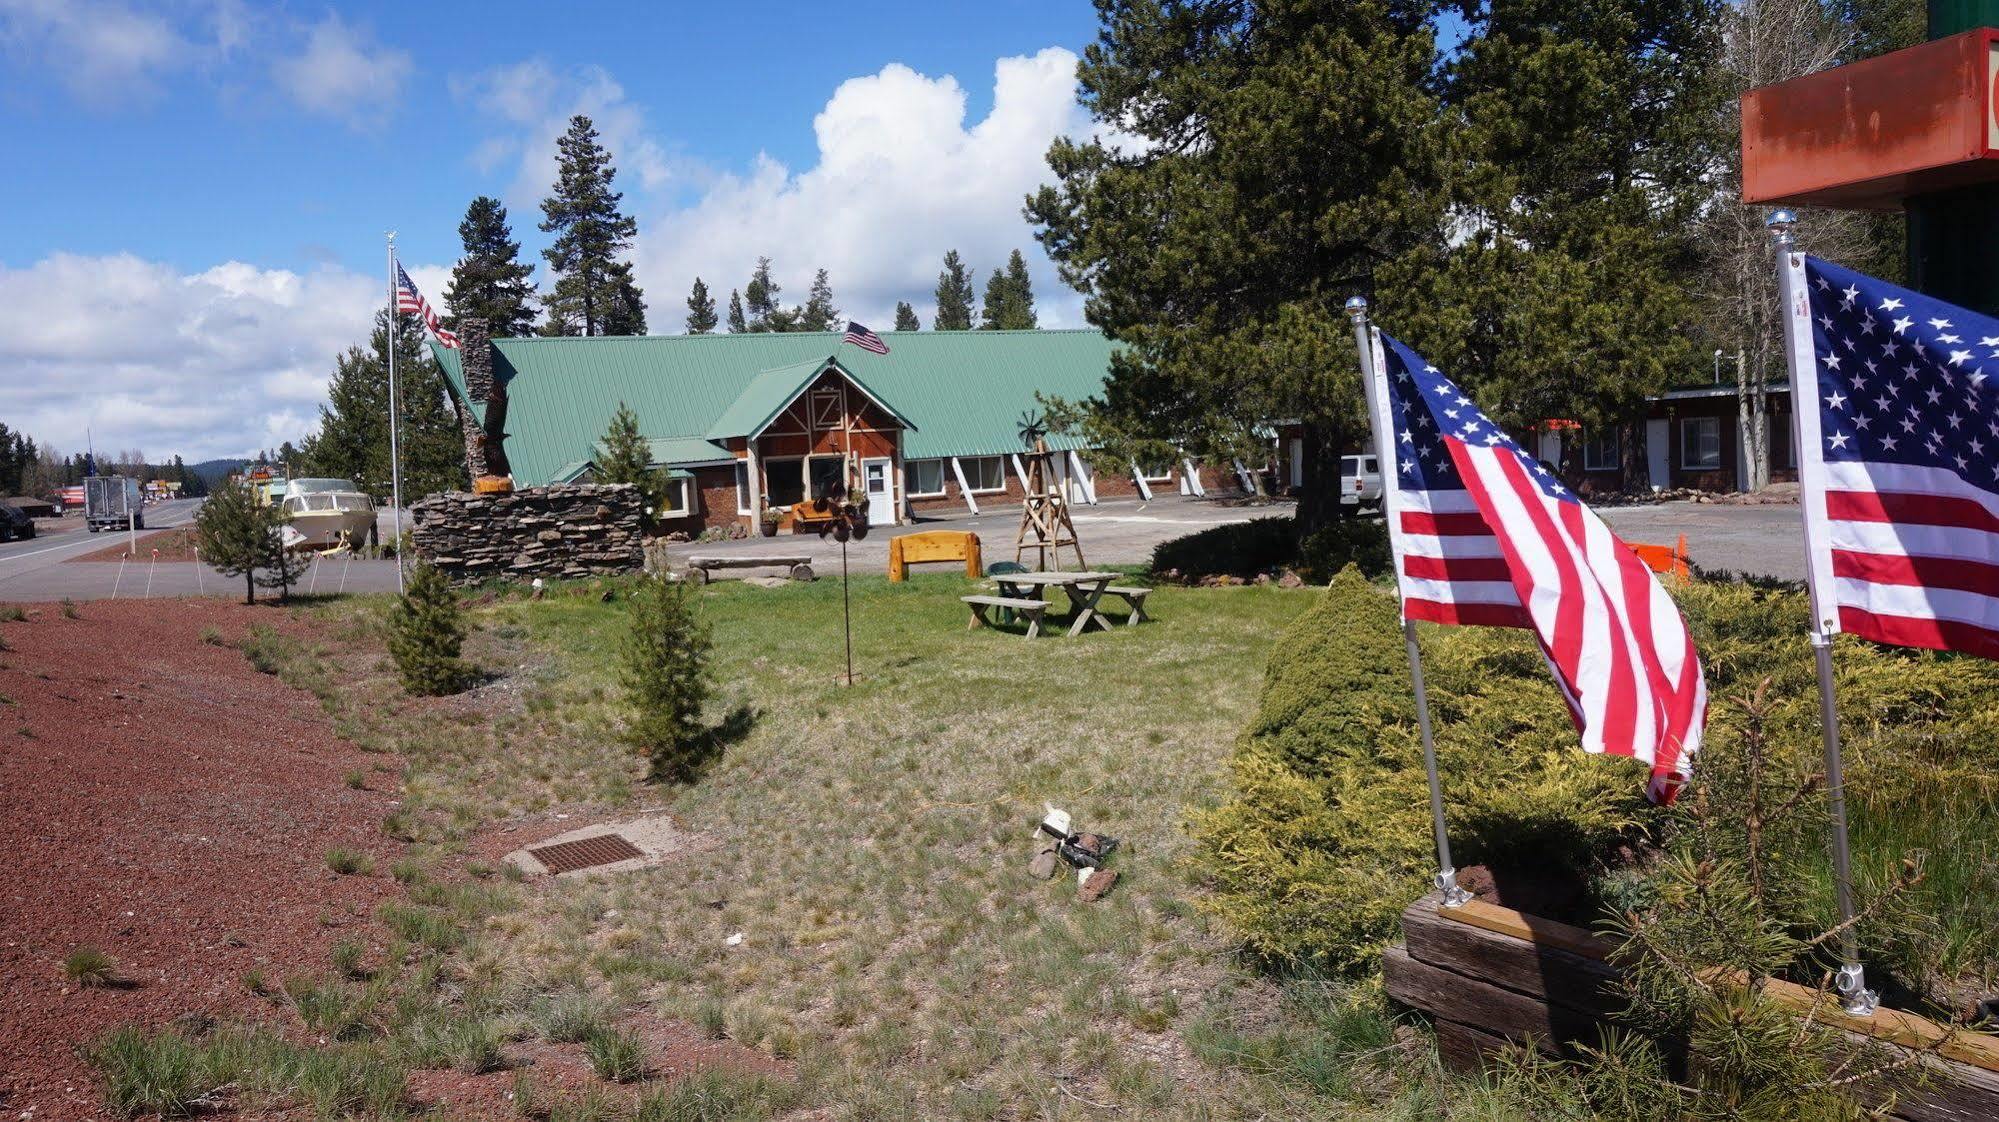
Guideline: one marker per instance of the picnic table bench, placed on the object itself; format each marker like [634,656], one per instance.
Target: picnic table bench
[697,567]
[982,605]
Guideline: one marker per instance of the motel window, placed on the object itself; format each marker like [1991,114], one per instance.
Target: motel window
[743,487]
[1600,450]
[677,498]
[784,482]
[1700,443]
[926,477]
[984,473]
[1156,473]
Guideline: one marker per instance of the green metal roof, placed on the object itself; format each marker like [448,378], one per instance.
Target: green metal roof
[771,392]
[962,391]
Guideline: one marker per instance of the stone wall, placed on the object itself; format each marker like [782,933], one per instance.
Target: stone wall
[572,530]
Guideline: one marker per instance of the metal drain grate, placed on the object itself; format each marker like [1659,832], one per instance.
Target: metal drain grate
[585,853]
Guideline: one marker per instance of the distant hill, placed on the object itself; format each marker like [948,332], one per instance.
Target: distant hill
[213,472]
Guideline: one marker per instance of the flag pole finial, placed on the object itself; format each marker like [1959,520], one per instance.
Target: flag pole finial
[1780,224]
[1356,306]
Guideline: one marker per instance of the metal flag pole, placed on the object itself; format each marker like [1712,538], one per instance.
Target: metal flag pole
[1851,980]
[395,450]
[1365,340]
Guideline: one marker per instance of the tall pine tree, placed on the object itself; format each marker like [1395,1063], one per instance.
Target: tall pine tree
[905,317]
[353,437]
[490,281]
[819,312]
[737,324]
[594,292]
[700,310]
[1221,250]
[1009,303]
[954,295]
[760,297]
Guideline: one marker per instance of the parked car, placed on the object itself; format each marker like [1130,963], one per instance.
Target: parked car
[1360,481]
[15,525]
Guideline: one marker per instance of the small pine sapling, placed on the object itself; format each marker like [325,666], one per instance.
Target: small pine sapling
[426,633]
[666,680]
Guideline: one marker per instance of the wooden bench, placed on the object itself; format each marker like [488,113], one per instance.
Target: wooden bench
[931,546]
[812,512]
[1031,609]
[697,567]
[1133,596]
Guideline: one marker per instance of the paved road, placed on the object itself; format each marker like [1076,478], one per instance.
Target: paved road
[42,570]
[1766,541]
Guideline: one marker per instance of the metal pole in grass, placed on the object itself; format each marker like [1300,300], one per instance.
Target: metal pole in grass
[1367,342]
[1851,980]
[846,610]
[120,579]
[199,589]
[313,584]
[343,573]
[149,575]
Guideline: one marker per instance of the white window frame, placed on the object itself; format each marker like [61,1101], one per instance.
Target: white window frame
[1687,429]
[743,495]
[909,473]
[1590,441]
[685,507]
[999,461]
[1165,473]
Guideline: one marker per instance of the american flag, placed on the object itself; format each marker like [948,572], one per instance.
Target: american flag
[1483,533]
[408,299]
[1898,419]
[863,338]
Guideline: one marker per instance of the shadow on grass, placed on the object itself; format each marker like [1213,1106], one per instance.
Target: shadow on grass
[707,747]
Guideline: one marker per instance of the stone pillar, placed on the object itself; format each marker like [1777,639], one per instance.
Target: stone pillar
[475,357]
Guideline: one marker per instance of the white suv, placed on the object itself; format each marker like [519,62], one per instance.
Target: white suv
[1360,481]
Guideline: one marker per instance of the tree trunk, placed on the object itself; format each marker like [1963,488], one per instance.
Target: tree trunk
[1319,483]
[249,587]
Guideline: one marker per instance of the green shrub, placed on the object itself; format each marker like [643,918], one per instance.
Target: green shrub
[666,680]
[1263,545]
[150,1073]
[426,633]
[1329,836]
[1361,542]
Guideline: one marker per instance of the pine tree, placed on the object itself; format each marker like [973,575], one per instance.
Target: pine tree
[232,533]
[277,566]
[760,299]
[700,310]
[593,288]
[819,313]
[737,325]
[490,281]
[666,681]
[954,295]
[625,456]
[905,317]
[426,634]
[1213,252]
[1021,315]
[353,437]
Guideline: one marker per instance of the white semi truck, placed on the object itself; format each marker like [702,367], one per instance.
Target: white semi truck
[113,502]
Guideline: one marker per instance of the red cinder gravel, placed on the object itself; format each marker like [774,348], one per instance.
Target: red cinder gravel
[162,801]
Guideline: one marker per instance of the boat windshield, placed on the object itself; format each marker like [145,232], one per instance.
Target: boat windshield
[312,486]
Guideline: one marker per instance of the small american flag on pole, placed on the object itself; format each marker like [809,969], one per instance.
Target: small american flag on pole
[408,299]
[1897,398]
[1483,533]
[863,338]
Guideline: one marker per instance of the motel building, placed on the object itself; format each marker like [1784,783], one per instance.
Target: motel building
[745,424]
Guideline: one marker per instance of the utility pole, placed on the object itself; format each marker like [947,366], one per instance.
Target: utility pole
[1953,235]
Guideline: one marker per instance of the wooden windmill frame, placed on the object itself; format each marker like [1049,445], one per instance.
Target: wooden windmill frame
[1044,513]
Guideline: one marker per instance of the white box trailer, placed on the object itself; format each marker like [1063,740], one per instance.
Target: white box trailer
[113,502]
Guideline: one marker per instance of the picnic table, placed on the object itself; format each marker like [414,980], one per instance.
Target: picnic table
[1083,589]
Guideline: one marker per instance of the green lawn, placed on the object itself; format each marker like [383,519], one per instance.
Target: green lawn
[871,842]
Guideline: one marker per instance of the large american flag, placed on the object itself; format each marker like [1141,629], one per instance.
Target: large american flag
[1483,533]
[1898,419]
[409,300]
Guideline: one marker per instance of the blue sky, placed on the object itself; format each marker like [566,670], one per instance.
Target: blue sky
[191,221]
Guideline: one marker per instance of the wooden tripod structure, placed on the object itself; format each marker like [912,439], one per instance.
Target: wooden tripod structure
[1044,514]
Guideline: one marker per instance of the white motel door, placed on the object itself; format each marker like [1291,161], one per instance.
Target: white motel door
[879,483]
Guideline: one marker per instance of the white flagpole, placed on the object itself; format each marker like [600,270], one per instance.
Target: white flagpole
[1366,341]
[1803,365]
[395,449]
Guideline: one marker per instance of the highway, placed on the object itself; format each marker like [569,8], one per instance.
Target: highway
[41,569]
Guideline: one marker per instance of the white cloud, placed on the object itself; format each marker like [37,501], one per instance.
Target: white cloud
[901,177]
[214,363]
[342,73]
[536,102]
[103,52]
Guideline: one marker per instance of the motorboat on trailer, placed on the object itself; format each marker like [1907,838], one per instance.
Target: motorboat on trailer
[327,514]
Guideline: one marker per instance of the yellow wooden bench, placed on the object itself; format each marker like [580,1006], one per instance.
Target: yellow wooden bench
[934,546]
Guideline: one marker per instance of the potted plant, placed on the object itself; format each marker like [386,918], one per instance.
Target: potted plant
[771,517]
